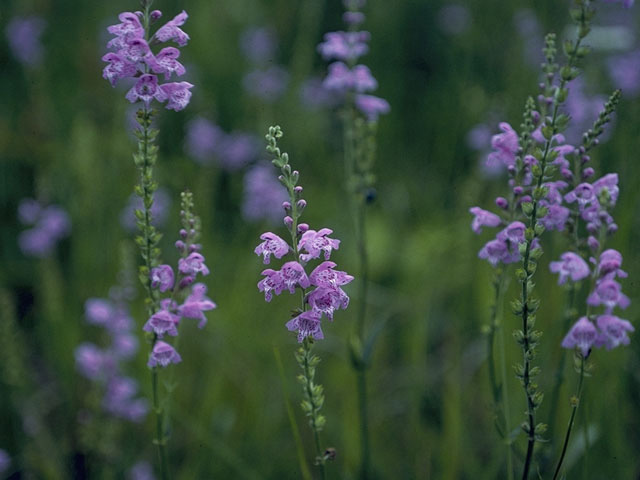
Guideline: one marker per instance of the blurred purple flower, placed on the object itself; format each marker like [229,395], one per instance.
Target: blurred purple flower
[571,266]
[454,19]
[120,402]
[163,354]
[5,461]
[237,150]
[263,194]
[314,95]
[372,107]
[583,335]
[50,225]
[259,44]
[141,471]
[624,70]
[202,140]
[23,34]
[268,85]
[159,210]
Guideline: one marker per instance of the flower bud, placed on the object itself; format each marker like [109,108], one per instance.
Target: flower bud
[286,206]
[303,227]
[593,243]
[587,173]
[288,221]
[180,246]
[518,190]
[155,15]
[183,233]
[301,204]
[502,202]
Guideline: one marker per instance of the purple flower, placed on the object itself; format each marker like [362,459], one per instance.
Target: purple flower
[315,95]
[325,276]
[162,322]
[341,78]
[608,293]
[162,277]
[119,399]
[146,89]
[328,299]
[125,345]
[163,354]
[497,251]
[610,263]
[272,245]
[613,331]
[514,233]
[166,62]
[29,211]
[505,146]
[372,107]
[345,46]
[263,194]
[129,28]
[141,471]
[23,34]
[178,94]
[268,85]
[307,324]
[5,461]
[202,139]
[192,265]
[625,72]
[119,67]
[51,224]
[92,362]
[172,31]
[197,303]
[557,217]
[137,50]
[258,44]
[583,194]
[608,183]
[271,283]
[314,243]
[99,311]
[293,274]
[571,266]
[583,335]
[483,218]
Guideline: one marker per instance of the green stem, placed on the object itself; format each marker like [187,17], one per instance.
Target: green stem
[575,401]
[315,409]
[160,438]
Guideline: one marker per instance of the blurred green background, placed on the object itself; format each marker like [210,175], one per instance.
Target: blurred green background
[444,70]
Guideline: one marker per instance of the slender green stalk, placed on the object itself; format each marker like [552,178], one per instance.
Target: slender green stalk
[304,469]
[575,401]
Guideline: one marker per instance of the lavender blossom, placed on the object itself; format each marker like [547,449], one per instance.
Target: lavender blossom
[505,147]
[50,225]
[307,324]
[196,304]
[272,245]
[608,293]
[263,194]
[23,34]
[315,243]
[483,218]
[582,335]
[162,277]
[572,266]
[163,355]
[613,331]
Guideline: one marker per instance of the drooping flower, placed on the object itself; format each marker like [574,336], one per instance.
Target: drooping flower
[146,89]
[328,299]
[193,264]
[163,354]
[314,243]
[483,218]
[583,194]
[613,331]
[293,274]
[610,263]
[608,292]
[325,276]
[583,335]
[571,266]
[196,304]
[307,324]
[272,245]
[171,31]
[162,322]
[505,147]
[162,277]
[498,251]
[119,67]
[178,94]
[271,283]
[514,233]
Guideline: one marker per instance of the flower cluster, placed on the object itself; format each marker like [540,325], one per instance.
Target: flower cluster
[306,245]
[104,366]
[49,225]
[346,77]
[133,58]
[179,283]
[609,331]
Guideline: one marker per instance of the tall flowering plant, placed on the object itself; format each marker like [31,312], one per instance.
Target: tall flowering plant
[352,83]
[321,292]
[549,190]
[171,294]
